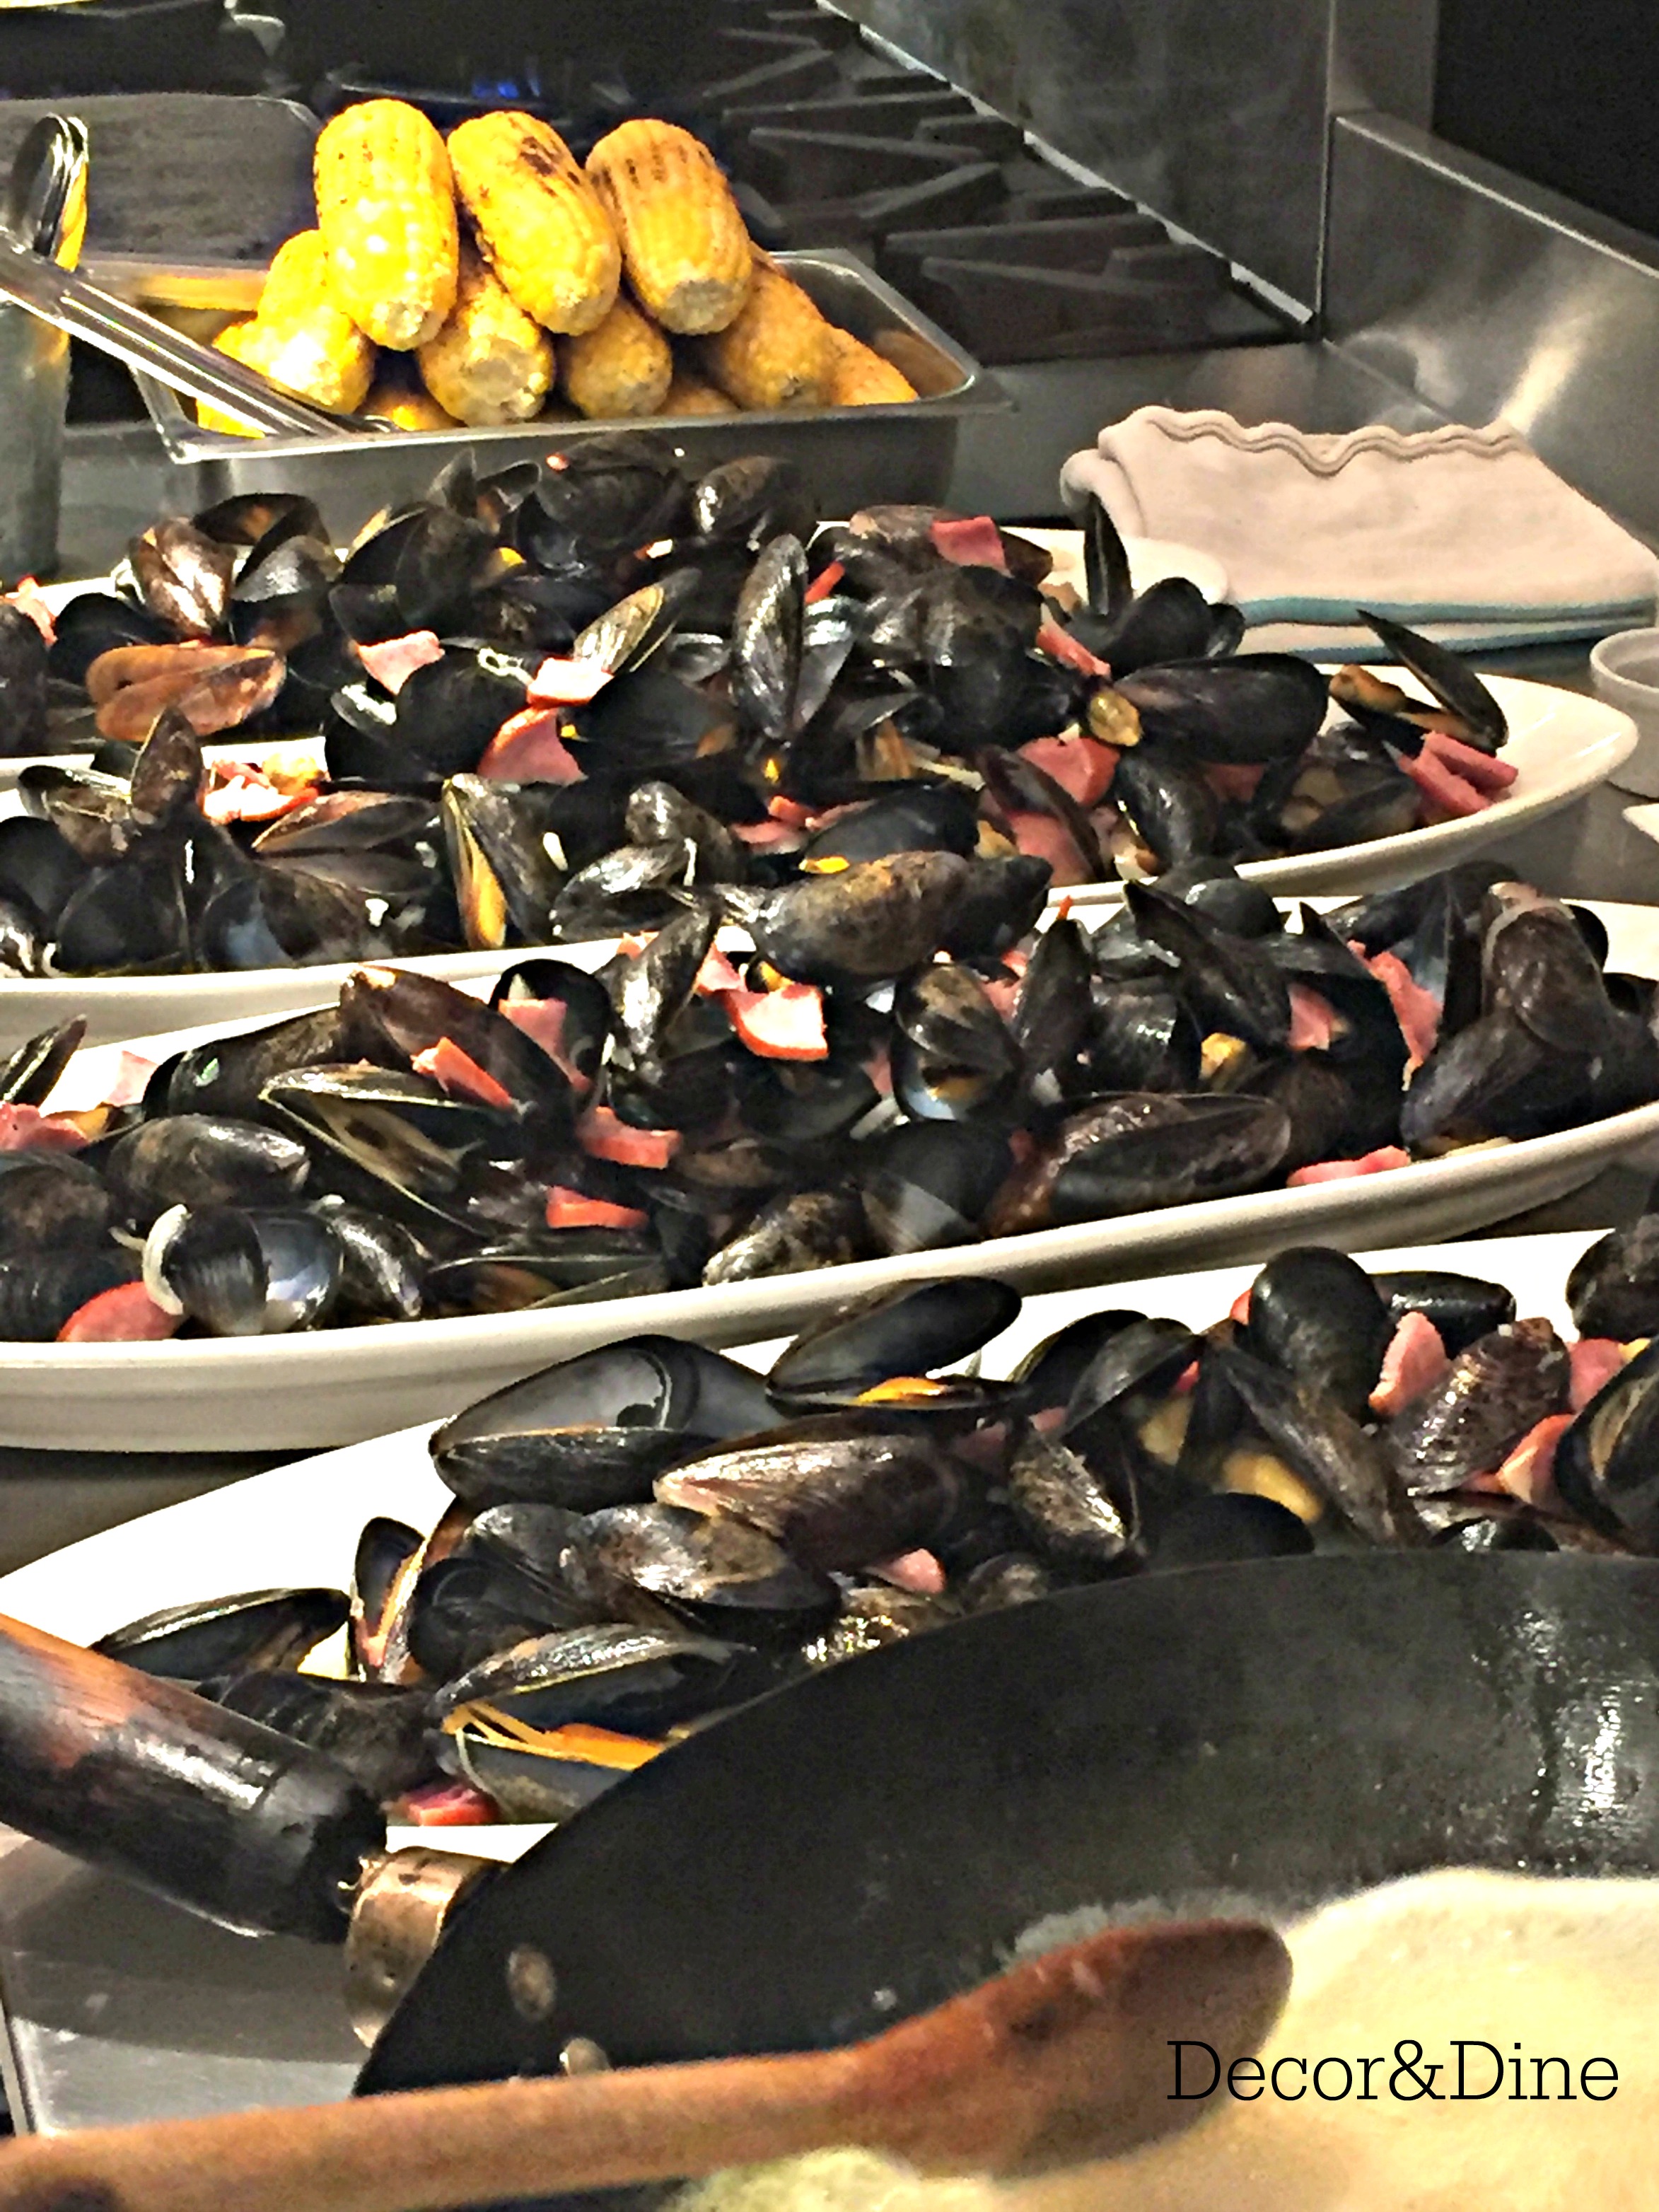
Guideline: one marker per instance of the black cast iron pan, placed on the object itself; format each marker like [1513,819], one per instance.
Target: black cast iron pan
[859,1846]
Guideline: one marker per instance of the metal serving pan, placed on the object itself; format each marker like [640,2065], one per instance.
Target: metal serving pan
[854,455]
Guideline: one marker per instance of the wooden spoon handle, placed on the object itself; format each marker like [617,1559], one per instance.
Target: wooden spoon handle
[431,2149]
[1062,2059]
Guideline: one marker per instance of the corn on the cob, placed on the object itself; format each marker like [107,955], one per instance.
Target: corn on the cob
[861,378]
[407,409]
[229,341]
[624,368]
[385,207]
[538,220]
[688,394]
[683,241]
[777,353]
[490,363]
[300,279]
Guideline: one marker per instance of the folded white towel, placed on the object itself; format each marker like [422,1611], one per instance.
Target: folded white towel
[1458,526]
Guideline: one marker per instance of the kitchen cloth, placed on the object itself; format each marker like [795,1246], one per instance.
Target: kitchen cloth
[1463,533]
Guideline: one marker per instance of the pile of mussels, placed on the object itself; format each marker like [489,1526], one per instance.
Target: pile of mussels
[649,1534]
[533,731]
[676,1118]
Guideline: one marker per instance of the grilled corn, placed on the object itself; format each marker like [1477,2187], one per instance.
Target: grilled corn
[538,220]
[778,352]
[406,409]
[861,378]
[688,394]
[229,341]
[683,241]
[624,368]
[490,363]
[385,207]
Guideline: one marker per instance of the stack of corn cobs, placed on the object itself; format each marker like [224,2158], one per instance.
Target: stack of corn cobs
[403,306]
[533,730]
[889,1071]
[646,1534]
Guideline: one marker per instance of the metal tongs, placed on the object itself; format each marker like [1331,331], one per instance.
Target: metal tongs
[43,220]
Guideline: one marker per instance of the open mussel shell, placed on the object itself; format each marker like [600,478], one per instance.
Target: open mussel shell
[377,1731]
[1353,1473]
[1469,1421]
[908,1333]
[597,1430]
[1051,1370]
[401,1129]
[382,1575]
[641,1680]
[927,1184]
[257,1629]
[873,1615]
[479,1600]
[1142,1356]
[535,1778]
[29,1075]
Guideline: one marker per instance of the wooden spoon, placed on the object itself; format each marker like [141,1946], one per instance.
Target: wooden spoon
[1063,2060]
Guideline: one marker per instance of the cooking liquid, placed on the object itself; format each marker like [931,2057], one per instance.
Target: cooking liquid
[1567,1969]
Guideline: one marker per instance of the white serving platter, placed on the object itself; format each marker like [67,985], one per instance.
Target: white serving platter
[1563,744]
[118,2007]
[334,1386]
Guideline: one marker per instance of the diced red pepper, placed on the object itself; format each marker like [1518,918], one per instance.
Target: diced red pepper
[1417,1010]
[394,660]
[567,683]
[1486,771]
[461,1076]
[1313,1020]
[1444,792]
[445,1805]
[716,974]
[127,1314]
[1377,1162]
[971,542]
[787,1024]
[604,1135]
[1045,837]
[1240,1310]
[824,582]
[1413,1361]
[1079,765]
[543,1020]
[529,749]
[1595,1360]
[912,1571]
[27,1129]
[1528,1473]
[1235,780]
[573,1209]
[1060,645]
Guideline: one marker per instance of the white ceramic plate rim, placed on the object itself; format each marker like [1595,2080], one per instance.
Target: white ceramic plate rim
[732,1311]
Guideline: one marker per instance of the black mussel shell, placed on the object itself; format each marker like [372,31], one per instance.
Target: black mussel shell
[1467,1423]
[50,1202]
[382,1574]
[41,1290]
[1051,1370]
[376,1730]
[1209,1531]
[1464,1308]
[836,1492]
[640,1681]
[1254,707]
[873,1615]
[808,1229]
[1353,1471]
[1211,1148]
[258,1629]
[912,1331]
[200,1159]
[1316,1314]
[1614,1288]
[657,1563]
[999,905]
[29,1075]
[95,623]
[1606,1464]
[915,817]
[596,1430]
[753,499]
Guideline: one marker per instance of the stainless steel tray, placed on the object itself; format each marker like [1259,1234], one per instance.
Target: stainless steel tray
[854,455]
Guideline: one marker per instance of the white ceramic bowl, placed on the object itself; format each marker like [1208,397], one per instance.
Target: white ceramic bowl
[1624,669]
